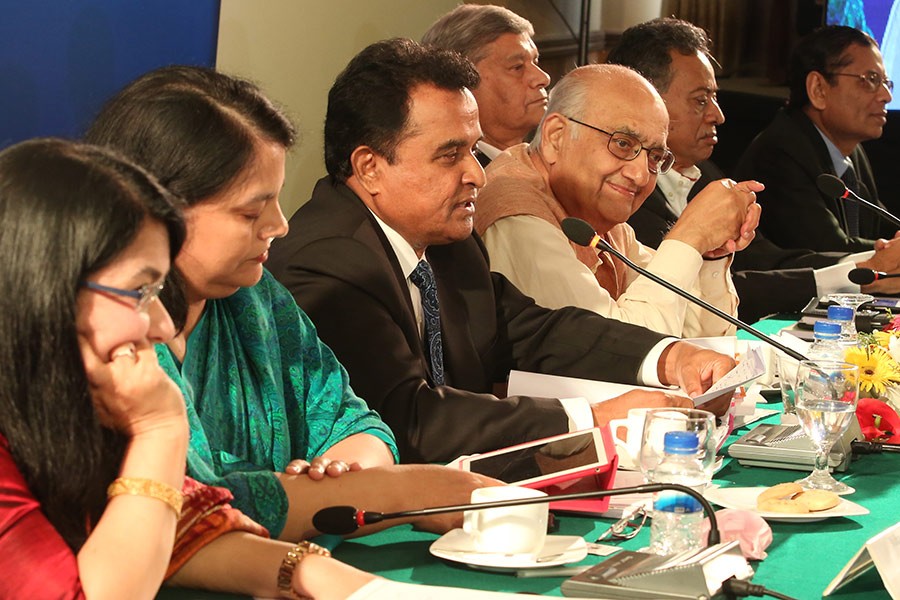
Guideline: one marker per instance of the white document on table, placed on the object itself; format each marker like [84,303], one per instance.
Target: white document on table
[522,383]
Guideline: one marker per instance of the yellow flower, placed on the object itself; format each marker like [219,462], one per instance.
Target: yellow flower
[877,370]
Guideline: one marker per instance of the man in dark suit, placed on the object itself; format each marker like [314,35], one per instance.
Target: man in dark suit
[511,93]
[674,55]
[838,98]
[384,261]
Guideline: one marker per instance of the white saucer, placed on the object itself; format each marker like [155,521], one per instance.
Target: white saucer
[744,498]
[456,545]
[627,463]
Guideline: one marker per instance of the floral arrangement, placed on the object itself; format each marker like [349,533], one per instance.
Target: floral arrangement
[878,358]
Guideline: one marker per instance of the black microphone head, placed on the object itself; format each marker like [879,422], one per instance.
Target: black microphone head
[862,276]
[339,520]
[578,231]
[830,185]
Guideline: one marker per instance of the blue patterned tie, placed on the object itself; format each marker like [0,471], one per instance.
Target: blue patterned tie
[851,208]
[423,278]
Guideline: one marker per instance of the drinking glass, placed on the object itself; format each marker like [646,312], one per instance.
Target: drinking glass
[659,421]
[787,380]
[826,402]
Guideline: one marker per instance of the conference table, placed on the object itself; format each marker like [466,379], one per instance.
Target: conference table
[802,559]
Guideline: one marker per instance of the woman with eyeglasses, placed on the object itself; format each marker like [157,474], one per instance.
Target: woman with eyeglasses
[93,433]
[261,389]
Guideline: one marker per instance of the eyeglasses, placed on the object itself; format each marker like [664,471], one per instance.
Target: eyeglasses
[871,80]
[144,295]
[627,527]
[627,147]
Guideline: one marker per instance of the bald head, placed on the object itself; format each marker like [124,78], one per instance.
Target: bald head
[600,89]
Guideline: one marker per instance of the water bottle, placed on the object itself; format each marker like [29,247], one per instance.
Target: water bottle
[827,342]
[843,316]
[677,517]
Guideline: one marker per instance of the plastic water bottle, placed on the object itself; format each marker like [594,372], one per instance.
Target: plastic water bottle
[843,316]
[677,517]
[827,344]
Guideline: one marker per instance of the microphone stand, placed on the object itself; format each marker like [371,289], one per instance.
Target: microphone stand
[691,298]
[353,519]
[834,186]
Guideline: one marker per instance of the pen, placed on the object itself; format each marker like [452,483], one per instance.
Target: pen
[552,571]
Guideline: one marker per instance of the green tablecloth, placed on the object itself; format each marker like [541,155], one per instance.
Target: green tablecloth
[803,558]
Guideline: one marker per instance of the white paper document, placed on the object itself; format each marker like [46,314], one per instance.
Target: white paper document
[554,386]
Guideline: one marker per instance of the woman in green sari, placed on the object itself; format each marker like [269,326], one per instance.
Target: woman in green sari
[272,415]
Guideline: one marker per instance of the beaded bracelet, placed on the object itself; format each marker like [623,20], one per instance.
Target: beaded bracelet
[291,561]
[135,486]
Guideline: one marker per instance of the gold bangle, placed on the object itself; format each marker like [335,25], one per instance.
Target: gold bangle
[291,561]
[136,486]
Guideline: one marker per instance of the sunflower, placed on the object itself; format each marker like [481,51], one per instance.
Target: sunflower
[877,370]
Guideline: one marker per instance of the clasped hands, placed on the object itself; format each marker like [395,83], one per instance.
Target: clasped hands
[721,219]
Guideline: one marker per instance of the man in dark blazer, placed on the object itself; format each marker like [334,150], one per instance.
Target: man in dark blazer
[674,55]
[511,93]
[838,98]
[401,192]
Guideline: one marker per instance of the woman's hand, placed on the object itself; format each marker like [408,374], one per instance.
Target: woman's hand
[131,392]
[319,467]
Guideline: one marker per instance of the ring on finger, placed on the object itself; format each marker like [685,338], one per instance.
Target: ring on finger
[126,350]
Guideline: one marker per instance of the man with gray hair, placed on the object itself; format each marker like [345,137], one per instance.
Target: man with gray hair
[596,156]
[512,94]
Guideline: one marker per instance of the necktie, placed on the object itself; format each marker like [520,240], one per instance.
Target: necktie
[423,278]
[851,208]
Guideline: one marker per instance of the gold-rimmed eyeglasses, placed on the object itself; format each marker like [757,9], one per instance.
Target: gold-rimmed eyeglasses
[627,527]
[871,80]
[627,147]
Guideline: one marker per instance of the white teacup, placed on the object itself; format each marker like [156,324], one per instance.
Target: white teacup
[627,433]
[507,530]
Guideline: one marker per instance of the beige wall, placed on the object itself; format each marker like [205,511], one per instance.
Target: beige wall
[295,48]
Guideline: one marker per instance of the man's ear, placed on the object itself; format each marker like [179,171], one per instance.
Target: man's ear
[817,88]
[554,132]
[364,162]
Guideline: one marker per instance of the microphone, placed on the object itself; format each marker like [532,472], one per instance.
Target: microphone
[867,276]
[834,187]
[583,234]
[342,520]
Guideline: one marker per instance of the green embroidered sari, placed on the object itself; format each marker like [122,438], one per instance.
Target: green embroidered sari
[261,390]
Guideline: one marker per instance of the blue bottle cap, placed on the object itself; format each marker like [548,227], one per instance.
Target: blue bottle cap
[827,329]
[840,313]
[681,442]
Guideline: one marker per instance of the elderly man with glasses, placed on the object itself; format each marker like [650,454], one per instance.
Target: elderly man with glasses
[838,99]
[596,156]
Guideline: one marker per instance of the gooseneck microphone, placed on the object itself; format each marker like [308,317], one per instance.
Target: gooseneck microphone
[834,187]
[867,276]
[342,520]
[583,234]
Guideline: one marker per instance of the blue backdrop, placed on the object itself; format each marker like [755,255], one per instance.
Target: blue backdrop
[61,59]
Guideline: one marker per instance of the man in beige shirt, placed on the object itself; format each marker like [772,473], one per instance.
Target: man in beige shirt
[596,156]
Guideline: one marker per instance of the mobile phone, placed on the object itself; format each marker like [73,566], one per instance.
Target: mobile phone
[545,460]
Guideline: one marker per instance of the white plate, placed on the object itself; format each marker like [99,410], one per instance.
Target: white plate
[744,498]
[626,463]
[456,545]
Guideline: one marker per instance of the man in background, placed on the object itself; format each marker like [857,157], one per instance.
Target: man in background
[383,260]
[838,98]
[674,56]
[596,157]
[511,94]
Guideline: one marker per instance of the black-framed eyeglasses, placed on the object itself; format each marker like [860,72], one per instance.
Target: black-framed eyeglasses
[627,147]
[144,294]
[871,80]
[627,527]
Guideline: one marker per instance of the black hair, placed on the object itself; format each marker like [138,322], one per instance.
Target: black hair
[647,48]
[822,51]
[193,128]
[67,211]
[368,105]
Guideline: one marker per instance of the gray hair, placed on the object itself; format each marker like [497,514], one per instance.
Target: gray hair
[570,97]
[468,28]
